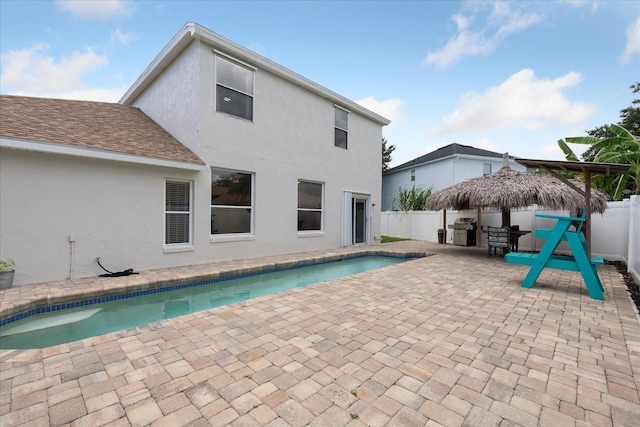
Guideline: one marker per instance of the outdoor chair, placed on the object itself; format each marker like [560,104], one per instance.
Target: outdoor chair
[498,238]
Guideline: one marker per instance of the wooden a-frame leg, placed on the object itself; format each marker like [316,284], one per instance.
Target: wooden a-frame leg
[545,253]
[589,272]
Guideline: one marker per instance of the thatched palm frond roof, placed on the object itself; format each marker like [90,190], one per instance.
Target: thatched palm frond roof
[509,189]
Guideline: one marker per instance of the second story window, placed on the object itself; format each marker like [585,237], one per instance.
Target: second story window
[341,127]
[413,175]
[486,169]
[234,88]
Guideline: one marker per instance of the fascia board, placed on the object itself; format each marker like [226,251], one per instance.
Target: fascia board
[483,158]
[192,31]
[417,165]
[55,148]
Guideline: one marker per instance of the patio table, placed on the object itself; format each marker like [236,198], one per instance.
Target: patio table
[515,236]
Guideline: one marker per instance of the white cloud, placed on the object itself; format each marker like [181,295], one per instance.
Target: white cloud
[554,152]
[484,144]
[388,108]
[92,9]
[464,43]
[462,22]
[501,23]
[31,72]
[633,42]
[521,100]
[123,38]
[549,151]
[593,5]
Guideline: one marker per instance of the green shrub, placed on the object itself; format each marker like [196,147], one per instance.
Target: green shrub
[7,265]
[412,199]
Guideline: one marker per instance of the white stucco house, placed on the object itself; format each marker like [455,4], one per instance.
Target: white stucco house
[214,153]
[440,169]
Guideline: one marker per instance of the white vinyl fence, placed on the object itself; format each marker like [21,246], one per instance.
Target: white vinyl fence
[615,235]
[633,255]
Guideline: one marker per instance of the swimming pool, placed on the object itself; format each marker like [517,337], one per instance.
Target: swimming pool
[83,319]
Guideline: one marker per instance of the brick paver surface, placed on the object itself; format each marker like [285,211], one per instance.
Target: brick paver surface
[450,339]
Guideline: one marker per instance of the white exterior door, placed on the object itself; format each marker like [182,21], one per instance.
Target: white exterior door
[355,219]
[360,220]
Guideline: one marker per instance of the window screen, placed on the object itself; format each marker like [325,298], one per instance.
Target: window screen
[234,88]
[341,127]
[177,227]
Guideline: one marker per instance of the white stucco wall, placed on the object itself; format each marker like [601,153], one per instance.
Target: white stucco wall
[174,98]
[290,138]
[112,210]
[115,210]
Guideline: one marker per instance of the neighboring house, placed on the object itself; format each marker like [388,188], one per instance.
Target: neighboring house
[214,153]
[440,169]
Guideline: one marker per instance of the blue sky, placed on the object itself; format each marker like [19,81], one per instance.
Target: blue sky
[504,76]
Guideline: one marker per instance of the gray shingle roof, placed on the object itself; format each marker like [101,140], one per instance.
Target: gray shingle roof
[87,124]
[447,151]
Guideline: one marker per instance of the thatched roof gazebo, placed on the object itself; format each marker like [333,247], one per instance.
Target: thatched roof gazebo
[509,189]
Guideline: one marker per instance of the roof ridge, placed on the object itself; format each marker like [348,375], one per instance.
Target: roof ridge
[446,151]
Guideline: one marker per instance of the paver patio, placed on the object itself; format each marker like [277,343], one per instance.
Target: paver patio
[450,339]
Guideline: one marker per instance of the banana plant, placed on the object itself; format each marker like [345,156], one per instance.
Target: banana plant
[623,147]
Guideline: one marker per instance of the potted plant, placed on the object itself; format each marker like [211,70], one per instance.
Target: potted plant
[7,269]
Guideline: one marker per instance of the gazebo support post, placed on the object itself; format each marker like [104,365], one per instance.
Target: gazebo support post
[444,227]
[506,217]
[478,229]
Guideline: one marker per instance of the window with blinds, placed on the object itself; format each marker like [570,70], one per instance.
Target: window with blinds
[234,88]
[309,206]
[177,222]
[341,127]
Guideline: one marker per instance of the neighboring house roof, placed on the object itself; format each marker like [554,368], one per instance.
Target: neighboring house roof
[192,31]
[444,152]
[41,124]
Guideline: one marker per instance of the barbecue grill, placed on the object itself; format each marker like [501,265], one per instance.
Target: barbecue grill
[464,231]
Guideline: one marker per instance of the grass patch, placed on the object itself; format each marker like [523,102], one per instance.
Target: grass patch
[388,239]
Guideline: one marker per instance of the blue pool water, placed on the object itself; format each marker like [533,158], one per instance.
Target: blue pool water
[92,319]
